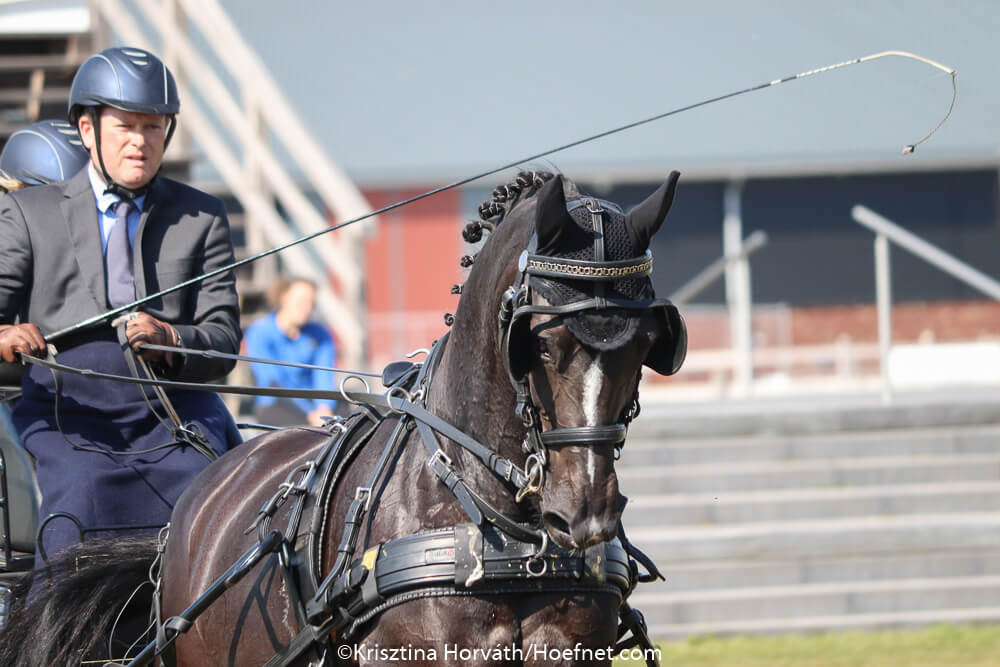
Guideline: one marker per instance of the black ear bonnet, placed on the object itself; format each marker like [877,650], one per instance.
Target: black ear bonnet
[608,249]
[610,328]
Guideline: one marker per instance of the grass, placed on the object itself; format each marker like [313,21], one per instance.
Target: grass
[936,646]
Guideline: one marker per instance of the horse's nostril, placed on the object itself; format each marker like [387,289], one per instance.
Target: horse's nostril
[556,524]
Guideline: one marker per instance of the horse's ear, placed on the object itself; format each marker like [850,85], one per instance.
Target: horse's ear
[550,215]
[645,219]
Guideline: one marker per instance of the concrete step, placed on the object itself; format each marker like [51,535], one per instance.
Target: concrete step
[665,418]
[794,516]
[860,471]
[819,539]
[879,621]
[818,600]
[645,451]
[733,573]
[665,510]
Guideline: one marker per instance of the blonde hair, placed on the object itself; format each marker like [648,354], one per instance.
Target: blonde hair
[8,184]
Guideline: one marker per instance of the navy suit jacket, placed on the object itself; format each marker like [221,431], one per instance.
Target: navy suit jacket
[52,264]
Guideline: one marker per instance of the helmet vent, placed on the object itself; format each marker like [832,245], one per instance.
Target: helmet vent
[137,57]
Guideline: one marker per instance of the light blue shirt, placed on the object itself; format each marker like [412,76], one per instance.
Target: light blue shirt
[265,339]
[106,209]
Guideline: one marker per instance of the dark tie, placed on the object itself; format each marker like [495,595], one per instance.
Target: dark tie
[118,259]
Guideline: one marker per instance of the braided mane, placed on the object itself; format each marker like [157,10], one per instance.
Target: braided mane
[492,212]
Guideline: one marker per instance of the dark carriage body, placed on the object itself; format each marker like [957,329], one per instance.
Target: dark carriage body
[18,511]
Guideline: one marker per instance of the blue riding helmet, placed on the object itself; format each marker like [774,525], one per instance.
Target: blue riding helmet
[129,79]
[125,78]
[43,152]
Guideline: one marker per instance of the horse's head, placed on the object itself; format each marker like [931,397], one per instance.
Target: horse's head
[576,327]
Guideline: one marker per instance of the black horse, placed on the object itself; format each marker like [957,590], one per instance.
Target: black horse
[509,553]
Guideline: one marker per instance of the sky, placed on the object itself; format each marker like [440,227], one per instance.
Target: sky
[420,92]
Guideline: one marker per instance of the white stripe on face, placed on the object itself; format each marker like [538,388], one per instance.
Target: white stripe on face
[592,381]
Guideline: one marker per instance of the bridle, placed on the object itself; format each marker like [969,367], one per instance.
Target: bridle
[513,320]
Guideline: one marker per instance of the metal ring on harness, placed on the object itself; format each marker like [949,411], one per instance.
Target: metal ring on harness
[539,573]
[539,557]
[343,384]
[420,350]
[535,473]
[402,393]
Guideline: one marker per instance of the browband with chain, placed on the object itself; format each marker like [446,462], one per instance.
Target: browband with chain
[542,265]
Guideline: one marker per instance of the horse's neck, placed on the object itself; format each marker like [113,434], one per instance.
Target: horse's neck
[470,390]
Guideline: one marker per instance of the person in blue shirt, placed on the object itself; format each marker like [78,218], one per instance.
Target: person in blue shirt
[288,334]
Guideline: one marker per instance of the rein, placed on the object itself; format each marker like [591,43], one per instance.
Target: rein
[348,395]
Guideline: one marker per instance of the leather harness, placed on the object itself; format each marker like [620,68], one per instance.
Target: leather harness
[490,555]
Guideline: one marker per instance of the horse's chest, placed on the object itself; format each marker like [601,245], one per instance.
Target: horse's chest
[450,630]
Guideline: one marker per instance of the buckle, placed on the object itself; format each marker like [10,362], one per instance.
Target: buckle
[440,458]
[508,473]
[363,493]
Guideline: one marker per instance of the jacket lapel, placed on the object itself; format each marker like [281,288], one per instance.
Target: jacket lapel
[80,212]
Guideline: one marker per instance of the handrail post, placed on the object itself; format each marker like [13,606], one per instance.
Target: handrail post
[265,271]
[707,276]
[174,13]
[100,30]
[738,291]
[883,299]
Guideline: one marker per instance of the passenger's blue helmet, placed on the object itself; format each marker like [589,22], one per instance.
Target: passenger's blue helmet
[125,78]
[43,152]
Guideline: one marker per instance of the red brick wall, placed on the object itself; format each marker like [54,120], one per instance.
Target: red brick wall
[780,326]
[413,260]
[944,321]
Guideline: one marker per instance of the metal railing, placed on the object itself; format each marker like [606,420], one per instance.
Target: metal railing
[704,278]
[886,231]
[252,118]
[735,266]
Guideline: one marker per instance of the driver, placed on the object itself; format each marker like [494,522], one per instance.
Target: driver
[108,454]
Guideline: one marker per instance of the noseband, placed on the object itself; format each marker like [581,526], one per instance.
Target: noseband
[516,308]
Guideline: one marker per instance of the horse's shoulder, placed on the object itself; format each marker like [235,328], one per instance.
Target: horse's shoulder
[253,465]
